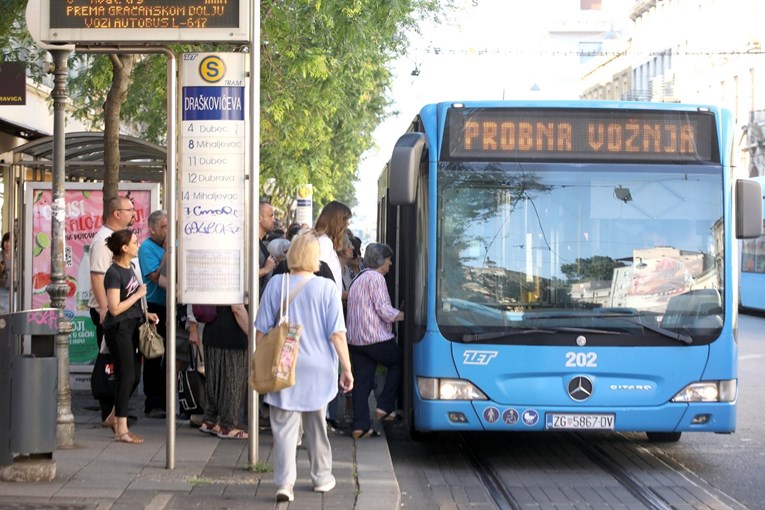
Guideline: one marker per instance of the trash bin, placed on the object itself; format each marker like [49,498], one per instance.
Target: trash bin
[28,383]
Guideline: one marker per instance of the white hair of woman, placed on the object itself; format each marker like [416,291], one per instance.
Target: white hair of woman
[278,249]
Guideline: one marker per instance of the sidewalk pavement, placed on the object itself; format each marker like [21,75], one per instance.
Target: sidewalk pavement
[210,473]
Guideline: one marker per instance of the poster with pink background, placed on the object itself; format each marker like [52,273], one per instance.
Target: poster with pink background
[84,205]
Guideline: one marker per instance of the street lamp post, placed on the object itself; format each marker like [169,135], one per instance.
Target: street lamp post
[58,288]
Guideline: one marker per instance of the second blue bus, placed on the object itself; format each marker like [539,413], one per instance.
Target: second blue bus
[752,277]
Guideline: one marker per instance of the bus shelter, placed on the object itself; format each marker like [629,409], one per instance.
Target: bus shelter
[32,163]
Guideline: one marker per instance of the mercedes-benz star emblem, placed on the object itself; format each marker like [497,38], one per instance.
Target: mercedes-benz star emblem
[580,388]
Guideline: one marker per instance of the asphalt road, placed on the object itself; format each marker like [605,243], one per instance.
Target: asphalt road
[735,463]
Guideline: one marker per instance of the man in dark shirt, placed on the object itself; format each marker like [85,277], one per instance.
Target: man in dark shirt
[267,262]
[153,259]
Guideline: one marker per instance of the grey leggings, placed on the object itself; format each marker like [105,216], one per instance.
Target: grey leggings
[286,429]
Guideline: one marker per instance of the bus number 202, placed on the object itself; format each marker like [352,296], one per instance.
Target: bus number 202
[581,359]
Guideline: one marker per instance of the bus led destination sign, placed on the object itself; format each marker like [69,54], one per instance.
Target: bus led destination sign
[581,135]
[72,21]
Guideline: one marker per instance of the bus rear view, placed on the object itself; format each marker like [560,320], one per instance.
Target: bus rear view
[568,266]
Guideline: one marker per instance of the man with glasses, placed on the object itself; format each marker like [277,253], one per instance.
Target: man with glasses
[119,214]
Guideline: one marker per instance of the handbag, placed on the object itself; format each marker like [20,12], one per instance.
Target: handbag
[102,381]
[150,342]
[204,313]
[275,356]
[190,384]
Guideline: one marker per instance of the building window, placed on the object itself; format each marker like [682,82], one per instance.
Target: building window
[588,49]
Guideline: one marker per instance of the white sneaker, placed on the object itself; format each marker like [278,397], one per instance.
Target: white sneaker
[326,487]
[284,493]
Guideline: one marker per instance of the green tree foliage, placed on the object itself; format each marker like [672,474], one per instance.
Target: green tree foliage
[12,10]
[324,79]
[591,268]
[110,85]
[15,42]
[144,108]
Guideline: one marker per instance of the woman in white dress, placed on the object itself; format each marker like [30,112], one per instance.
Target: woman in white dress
[330,227]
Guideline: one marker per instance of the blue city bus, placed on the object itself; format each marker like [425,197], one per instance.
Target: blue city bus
[752,278]
[567,266]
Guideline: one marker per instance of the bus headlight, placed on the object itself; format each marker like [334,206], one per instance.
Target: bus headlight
[708,391]
[448,389]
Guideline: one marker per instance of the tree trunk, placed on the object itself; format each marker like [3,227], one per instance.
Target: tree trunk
[123,70]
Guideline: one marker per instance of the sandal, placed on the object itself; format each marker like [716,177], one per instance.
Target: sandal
[110,423]
[232,434]
[362,434]
[209,428]
[385,416]
[128,437]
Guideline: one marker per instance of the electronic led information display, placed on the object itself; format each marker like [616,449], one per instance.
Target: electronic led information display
[96,21]
[574,134]
[144,13]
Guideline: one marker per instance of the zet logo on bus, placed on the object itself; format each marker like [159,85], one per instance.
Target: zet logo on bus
[212,69]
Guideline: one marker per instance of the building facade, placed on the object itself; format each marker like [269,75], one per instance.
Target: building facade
[689,51]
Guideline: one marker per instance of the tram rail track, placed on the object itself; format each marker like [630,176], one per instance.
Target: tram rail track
[609,465]
[488,477]
[620,472]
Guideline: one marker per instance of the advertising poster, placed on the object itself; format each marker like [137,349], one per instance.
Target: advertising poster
[84,206]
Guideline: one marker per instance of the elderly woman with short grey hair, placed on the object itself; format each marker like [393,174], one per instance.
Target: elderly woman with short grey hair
[278,249]
[371,340]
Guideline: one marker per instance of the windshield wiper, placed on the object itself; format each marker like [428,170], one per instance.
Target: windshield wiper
[674,335]
[479,337]
[626,317]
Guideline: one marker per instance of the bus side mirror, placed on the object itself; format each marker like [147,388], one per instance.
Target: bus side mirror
[748,209]
[404,168]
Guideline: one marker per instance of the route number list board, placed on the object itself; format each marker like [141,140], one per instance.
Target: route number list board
[212,159]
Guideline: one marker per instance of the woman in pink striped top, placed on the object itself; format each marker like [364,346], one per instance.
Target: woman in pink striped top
[371,340]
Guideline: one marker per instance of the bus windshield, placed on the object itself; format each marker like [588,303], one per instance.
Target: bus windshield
[625,254]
